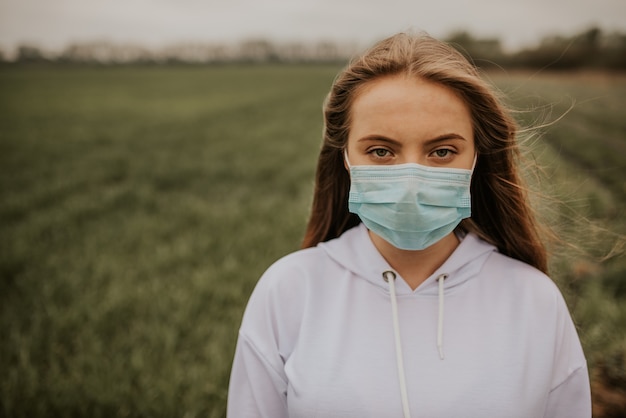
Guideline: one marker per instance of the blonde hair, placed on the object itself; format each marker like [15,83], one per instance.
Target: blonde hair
[501,212]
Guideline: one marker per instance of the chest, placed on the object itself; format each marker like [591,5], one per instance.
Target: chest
[345,365]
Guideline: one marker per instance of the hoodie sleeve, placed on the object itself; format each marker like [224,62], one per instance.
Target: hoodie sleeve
[269,329]
[570,396]
[258,388]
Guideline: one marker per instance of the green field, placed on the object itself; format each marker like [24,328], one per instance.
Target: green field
[138,207]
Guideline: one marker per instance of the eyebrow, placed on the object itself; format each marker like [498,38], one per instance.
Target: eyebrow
[379,138]
[440,138]
[444,137]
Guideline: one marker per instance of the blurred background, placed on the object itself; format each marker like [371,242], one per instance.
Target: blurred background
[158,156]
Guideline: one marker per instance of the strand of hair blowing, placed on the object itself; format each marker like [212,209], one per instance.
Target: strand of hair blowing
[501,213]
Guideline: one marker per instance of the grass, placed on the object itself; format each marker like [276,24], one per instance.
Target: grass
[581,151]
[138,207]
[582,154]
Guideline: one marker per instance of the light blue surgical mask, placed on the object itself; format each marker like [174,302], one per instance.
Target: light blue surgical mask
[410,205]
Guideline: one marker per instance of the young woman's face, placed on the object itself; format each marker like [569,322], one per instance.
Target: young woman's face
[402,119]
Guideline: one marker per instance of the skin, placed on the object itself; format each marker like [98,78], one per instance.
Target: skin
[404,119]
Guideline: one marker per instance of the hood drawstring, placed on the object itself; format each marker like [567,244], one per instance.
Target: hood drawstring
[390,277]
[441,278]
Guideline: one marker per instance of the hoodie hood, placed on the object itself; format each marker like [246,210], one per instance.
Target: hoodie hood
[356,252]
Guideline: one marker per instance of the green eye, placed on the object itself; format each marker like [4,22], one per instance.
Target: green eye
[442,153]
[381,152]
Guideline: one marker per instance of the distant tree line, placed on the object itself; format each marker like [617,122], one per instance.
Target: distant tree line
[249,51]
[591,49]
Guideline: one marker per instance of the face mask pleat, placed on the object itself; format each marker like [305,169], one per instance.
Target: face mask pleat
[410,205]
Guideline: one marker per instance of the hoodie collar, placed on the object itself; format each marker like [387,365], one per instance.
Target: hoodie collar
[355,251]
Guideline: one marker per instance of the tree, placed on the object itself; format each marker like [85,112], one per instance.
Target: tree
[29,53]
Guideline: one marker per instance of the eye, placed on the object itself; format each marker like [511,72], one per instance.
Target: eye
[443,154]
[380,153]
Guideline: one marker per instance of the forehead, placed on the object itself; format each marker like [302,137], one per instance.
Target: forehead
[397,88]
[412,104]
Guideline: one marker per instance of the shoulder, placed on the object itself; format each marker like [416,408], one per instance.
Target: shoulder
[523,282]
[293,267]
[286,283]
[532,298]
[501,266]
[276,307]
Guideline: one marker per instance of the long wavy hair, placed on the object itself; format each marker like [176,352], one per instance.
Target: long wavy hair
[501,211]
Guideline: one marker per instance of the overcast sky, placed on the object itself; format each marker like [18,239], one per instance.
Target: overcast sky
[53,24]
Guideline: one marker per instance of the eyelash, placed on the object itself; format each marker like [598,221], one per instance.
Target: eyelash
[448,153]
[387,153]
[374,153]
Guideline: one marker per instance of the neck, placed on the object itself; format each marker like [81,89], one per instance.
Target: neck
[416,266]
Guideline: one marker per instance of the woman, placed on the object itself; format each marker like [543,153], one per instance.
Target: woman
[421,290]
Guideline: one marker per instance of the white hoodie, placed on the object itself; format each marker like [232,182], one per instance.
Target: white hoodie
[317,339]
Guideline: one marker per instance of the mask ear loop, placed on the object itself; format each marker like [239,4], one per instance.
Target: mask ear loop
[345,158]
[475,160]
